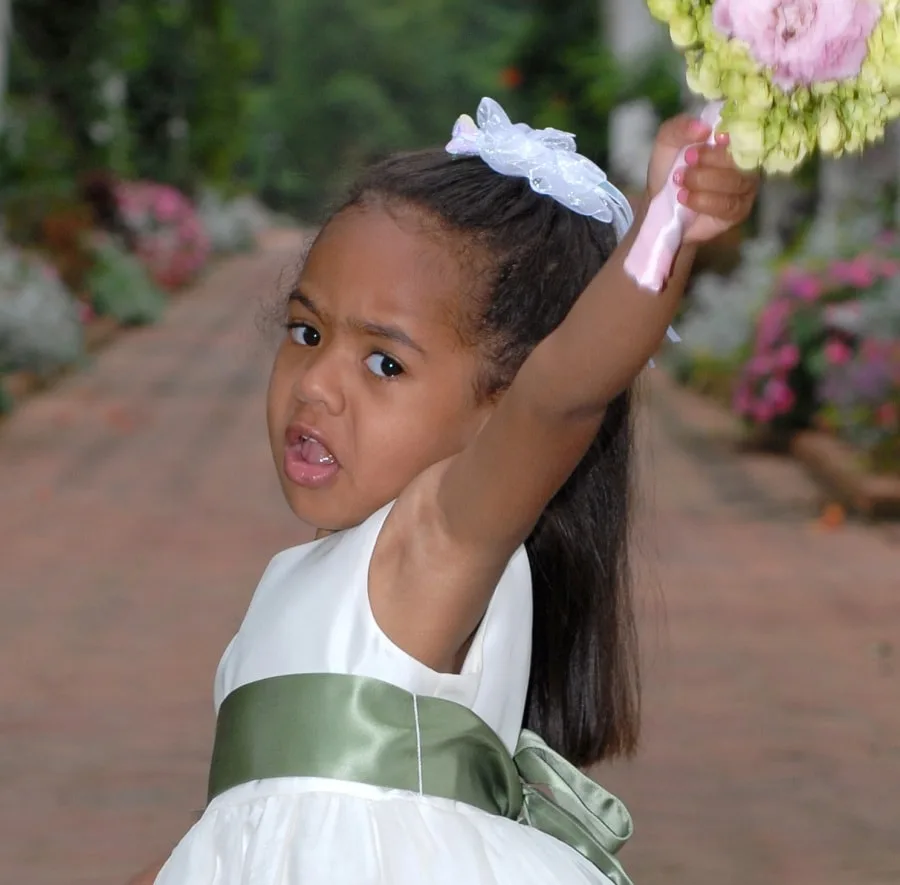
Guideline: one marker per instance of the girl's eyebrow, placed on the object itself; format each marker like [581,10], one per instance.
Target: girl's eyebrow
[391,333]
[379,330]
[306,301]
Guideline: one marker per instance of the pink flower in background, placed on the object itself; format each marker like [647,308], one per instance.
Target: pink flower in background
[805,286]
[86,312]
[167,205]
[804,41]
[772,323]
[172,242]
[888,268]
[779,396]
[888,415]
[837,353]
[763,412]
[858,273]
[788,356]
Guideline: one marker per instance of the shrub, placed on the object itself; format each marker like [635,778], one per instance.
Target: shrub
[816,319]
[170,240]
[40,330]
[860,400]
[120,286]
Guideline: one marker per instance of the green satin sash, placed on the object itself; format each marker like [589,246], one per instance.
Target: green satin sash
[354,728]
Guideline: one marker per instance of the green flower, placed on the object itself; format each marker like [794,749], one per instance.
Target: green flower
[663,10]
[703,76]
[747,143]
[831,135]
[757,94]
[683,30]
[776,129]
[800,100]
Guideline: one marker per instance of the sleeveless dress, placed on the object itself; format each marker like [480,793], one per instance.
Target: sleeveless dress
[311,614]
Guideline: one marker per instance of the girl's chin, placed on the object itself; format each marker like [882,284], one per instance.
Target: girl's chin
[324,513]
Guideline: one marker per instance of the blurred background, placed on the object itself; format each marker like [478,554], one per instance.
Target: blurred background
[160,164]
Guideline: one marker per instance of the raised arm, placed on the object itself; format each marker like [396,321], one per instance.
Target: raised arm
[493,492]
[471,512]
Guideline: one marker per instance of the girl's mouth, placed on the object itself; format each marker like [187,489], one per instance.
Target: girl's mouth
[308,462]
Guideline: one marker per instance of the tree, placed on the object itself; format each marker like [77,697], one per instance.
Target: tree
[346,82]
[571,81]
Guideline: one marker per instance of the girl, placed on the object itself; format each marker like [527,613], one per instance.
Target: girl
[450,408]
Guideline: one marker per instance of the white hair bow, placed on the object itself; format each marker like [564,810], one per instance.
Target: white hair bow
[547,158]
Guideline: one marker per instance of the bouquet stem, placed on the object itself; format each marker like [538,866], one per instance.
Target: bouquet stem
[652,256]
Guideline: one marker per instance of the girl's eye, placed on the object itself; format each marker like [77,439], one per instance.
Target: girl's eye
[303,333]
[384,366]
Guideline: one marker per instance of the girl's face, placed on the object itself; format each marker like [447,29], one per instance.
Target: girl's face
[371,384]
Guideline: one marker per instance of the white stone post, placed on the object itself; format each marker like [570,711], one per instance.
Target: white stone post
[5,22]
[631,34]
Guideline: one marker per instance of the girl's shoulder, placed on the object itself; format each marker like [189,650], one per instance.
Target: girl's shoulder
[340,557]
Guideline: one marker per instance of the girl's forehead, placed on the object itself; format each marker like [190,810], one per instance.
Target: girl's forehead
[377,262]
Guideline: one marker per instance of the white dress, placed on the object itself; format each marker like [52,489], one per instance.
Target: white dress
[311,614]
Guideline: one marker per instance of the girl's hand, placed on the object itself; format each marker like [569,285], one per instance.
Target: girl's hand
[708,181]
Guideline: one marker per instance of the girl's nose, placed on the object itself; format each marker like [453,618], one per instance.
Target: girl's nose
[319,382]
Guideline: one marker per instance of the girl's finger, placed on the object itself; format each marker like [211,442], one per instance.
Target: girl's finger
[732,208]
[682,130]
[723,181]
[717,157]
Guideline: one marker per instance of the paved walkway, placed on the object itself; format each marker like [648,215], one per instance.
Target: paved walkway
[139,508]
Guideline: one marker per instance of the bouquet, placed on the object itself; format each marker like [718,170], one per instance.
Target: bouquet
[783,78]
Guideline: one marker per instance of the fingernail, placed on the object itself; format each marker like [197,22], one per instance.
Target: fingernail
[691,156]
[723,138]
[678,177]
[683,196]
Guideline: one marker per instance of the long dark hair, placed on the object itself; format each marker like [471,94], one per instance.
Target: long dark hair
[534,258]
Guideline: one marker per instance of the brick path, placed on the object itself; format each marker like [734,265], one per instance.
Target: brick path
[139,508]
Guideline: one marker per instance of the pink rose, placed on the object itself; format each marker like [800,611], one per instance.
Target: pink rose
[803,41]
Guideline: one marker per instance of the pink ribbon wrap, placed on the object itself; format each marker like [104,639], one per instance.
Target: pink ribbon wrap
[652,256]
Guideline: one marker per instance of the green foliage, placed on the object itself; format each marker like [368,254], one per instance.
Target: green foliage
[572,82]
[147,88]
[120,287]
[341,84]
[186,66]
[54,47]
